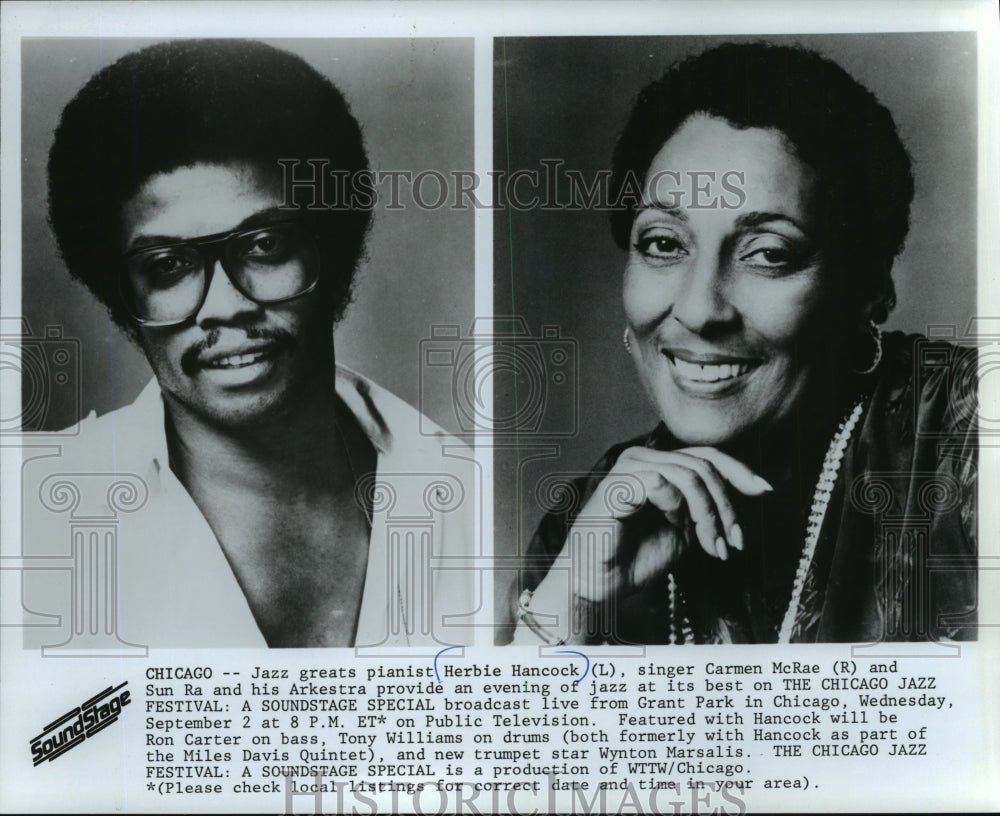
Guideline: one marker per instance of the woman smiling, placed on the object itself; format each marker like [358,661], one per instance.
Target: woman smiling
[806,467]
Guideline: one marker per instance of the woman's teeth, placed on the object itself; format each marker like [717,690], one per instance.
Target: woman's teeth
[710,373]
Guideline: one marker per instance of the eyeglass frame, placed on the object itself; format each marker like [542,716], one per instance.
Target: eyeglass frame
[209,262]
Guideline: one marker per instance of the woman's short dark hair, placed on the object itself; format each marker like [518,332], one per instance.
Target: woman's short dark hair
[830,121]
[182,102]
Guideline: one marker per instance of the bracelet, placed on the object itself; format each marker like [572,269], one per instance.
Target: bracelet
[528,618]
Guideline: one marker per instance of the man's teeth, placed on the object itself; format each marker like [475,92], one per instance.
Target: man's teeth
[237,360]
[710,373]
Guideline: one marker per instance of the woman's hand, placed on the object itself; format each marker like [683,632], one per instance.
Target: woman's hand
[689,488]
[684,501]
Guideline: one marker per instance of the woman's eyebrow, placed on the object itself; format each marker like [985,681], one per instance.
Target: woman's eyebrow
[755,219]
[668,209]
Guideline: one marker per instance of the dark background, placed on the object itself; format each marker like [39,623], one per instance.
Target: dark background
[414,99]
[567,98]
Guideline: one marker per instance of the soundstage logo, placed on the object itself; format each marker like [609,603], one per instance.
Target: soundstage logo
[79,723]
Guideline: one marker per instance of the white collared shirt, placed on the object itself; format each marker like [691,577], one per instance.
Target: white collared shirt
[167,582]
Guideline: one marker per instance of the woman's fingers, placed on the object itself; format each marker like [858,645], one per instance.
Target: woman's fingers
[716,519]
[720,472]
[718,488]
[732,470]
[677,488]
[669,480]
[602,564]
[690,487]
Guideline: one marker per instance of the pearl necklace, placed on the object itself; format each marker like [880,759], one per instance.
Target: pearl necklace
[821,499]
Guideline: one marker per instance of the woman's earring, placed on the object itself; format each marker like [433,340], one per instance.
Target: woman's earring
[876,333]
[625,340]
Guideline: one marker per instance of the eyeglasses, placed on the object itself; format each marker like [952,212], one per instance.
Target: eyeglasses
[167,284]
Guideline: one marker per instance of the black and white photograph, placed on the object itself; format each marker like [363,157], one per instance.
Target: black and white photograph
[192,255]
[764,251]
[499,406]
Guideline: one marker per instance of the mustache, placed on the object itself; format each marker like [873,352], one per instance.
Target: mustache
[281,339]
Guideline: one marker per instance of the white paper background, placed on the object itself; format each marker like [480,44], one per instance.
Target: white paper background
[34,689]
